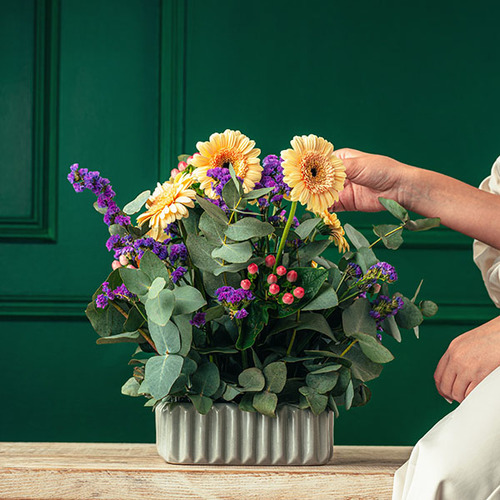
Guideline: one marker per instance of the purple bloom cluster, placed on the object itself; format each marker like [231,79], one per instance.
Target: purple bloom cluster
[353,270]
[178,251]
[272,176]
[280,219]
[125,245]
[178,273]
[120,292]
[82,179]
[198,319]
[383,307]
[382,271]
[235,299]
[221,177]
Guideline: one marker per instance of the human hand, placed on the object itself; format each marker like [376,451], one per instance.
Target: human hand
[368,177]
[468,360]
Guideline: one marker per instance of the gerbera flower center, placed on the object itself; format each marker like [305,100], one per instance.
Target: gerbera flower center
[165,198]
[316,173]
[227,156]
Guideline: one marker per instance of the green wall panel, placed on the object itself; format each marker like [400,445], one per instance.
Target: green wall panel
[142,81]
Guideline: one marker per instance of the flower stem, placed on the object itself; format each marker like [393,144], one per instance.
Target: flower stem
[388,234]
[347,349]
[288,225]
[294,334]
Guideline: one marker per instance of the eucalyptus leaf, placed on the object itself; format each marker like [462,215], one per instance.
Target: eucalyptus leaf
[187,300]
[392,241]
[373,349]
[275,374]
[409,315]
[231,196]
[202,403]
[135,205]
[322,382]
[324,300]
[136,281]
[356,318]
[166,338]
[234,252]
[131,387]
[212,209]
[134,321]
[390,327]
[161,373]
[121,337]
[356,238]
[160,309]
[117,229]
[200,250]
[265,403]
[246,403]
[311,250]
[153,266]
[213,229]
[307,227]
[428,308]
[252,379]
[317,402]
[230,393]
[206,379]
[234,268]
[394,208]
[105,322]
[257,193]
[185,331]
[254,323]
[156,287]
[349,395]
[422,224]
[248,228]
[362,368]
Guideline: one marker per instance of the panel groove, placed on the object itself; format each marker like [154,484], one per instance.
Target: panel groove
[43,221]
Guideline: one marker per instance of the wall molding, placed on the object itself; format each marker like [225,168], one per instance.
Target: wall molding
[172,84]
[42,222]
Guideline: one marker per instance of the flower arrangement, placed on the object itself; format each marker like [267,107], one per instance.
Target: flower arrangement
[228,295]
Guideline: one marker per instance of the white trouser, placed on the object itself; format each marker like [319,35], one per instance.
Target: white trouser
[459,458]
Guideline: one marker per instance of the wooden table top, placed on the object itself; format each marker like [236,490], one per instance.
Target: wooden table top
[132,471]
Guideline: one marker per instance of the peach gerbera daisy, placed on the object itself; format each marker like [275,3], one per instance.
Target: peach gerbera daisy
[336,230]
[230,147]
[313,172]
[167,204]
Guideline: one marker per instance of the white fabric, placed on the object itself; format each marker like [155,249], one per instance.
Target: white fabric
[459,458]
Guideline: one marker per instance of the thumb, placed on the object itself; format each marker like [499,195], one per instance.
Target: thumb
[347,153]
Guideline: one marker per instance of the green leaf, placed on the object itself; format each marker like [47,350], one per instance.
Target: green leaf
[187,300]
[235,252]
[211,282]
[121,337]
[311,250]
[317,402]
[136,281]
[206,379]
[160,308]
[322,382]
[349,395]
[134,206]
[246,403]
[390,327]
[235,180]
[103,210]
[117,229]
[307,227]
[200,250]
[356,318]
[212,209]
[166,338]
[231,196]
[161,373]
[362,395]
[310,279]
[131,388]
[252,379]
[201,403]
[234,268]
[248,228]
[254,323]
[392,241]
[326,369]
[275,374]
[257,193]
[192,221]
[373,349]
[214,229]
[394,208]
[344,379]
[153,266]
[423,224]
[356,238]
[185,331]
[409,315]
[308,321]
[230,393]
[156,287]
[213,313]
[134,320]
[368,256]
[333,406]
[428,308]
[106,321]
[362,368]
[265,403]
[324,300]
[218,350]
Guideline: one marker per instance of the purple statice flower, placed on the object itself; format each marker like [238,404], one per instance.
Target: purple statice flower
[120,292]
[280,219]
[123,292]
[172,229]
[121,245]
[198,319]
[178,251]
[233,296]
[382,271]
[383,307]
[272,177]
[81,179]
[242,313]
[353,270]
[178,273]
[379,337]
[159,248]
[221,177]
[101,301]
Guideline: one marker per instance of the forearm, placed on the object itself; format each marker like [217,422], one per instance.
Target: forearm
[460,207]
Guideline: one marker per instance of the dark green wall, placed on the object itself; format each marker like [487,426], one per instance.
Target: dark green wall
[123,86]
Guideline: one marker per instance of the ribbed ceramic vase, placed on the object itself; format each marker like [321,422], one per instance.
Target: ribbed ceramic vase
[227,435]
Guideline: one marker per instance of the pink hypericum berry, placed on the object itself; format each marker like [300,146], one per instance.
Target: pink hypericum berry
[182,166]
[245,284]
[292,276]
[272,278]
[253,268]
[123,260]
[274,289]
[288,298]
[375,288]
[115,264]
[174,172]
[281,271]
[130,266]
[298,292]
[270,260]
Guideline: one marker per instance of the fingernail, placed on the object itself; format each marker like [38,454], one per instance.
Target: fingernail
[449,400]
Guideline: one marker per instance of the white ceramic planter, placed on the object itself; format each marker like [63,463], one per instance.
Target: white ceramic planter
[228,436]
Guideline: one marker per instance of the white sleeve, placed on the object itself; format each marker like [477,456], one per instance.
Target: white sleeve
[486,257]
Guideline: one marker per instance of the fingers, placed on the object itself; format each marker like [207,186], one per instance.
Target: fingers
[444,377]
[470,388]
[347,153]
[459,388]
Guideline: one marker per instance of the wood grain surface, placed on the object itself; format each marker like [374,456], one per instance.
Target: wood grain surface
[133,471]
